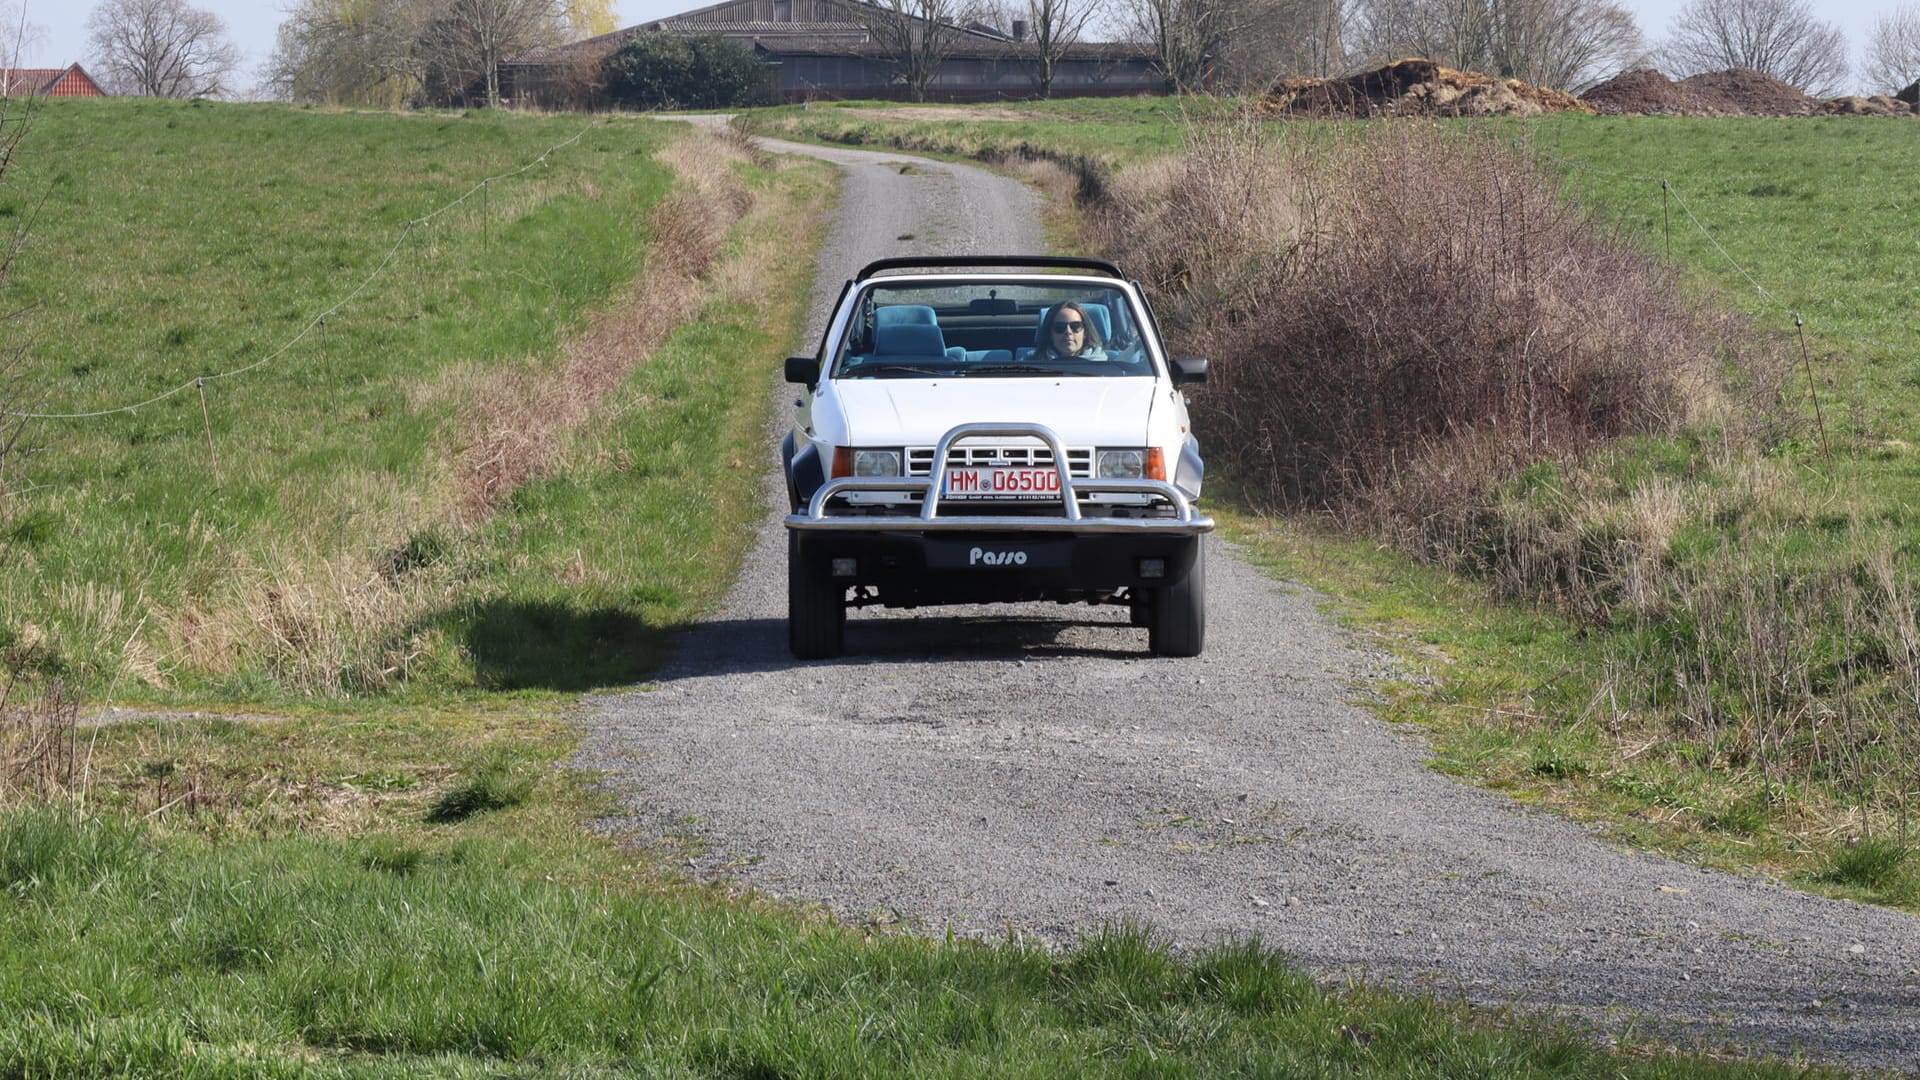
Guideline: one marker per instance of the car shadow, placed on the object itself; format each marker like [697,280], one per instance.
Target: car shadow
[741,646]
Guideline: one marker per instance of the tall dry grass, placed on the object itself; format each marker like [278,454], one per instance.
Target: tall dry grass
[40,756]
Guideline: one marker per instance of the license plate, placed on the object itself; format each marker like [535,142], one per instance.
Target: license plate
[1002,483]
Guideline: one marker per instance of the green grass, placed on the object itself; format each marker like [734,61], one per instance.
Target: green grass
[300,537]
[518,950]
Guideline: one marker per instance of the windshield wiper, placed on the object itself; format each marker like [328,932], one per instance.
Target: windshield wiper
[873,371]
[1022,369]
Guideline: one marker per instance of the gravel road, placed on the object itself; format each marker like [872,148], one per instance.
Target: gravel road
[1033,770]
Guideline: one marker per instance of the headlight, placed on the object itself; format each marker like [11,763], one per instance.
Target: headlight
[1122,464]
[876,463]
[1149,464]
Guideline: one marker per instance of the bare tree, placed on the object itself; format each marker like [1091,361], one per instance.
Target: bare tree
[589,18]
[1781,38]
[1317,41]
[464,44]
[1186,36]
[17,35]
[1565,44]
[161,48]
[1055,26]
[17,114]
[349,52]
[918,36]
[1892,60]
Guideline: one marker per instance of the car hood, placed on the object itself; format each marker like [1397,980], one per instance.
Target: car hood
[1098,411]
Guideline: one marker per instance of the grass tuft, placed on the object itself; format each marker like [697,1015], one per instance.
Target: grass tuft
[495,780]
[1882,864]
[44,849]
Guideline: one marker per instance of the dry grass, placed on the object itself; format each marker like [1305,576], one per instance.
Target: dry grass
[40,756]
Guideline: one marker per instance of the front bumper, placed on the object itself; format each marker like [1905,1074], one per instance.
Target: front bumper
[1181,519]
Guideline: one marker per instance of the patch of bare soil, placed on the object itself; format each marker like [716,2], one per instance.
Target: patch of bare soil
[1416,87]
[1734,92]
[938,113]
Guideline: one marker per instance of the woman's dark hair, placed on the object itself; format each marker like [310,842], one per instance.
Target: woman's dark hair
[1093,339]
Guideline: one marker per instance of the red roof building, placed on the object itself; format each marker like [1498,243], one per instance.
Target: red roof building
[72,81]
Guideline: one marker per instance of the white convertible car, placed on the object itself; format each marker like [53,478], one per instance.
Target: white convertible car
[988,429]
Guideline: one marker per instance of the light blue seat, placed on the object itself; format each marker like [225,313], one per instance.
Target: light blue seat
[908,339]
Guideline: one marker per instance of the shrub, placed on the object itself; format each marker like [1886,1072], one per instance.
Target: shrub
[1408,312]
[669,71]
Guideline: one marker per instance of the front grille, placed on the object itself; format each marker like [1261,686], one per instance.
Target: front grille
[1079,459]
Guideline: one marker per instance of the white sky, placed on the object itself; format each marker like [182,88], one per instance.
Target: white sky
[251,24]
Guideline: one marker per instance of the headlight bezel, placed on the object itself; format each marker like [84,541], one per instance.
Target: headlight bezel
[878,461]
[1120,463]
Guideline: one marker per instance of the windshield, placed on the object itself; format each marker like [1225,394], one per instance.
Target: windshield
[992,329]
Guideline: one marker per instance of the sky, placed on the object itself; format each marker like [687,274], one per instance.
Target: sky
[63,39]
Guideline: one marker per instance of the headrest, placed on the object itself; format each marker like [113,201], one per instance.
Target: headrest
[896,314]
[908,339]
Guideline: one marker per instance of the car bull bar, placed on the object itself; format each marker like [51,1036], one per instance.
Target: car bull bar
[1186,521]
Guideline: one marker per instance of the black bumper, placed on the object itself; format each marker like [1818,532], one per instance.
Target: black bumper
[907,567]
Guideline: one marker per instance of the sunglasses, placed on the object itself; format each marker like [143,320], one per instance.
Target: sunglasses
[1068,327]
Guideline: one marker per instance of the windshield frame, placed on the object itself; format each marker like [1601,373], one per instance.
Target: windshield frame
[1005,329]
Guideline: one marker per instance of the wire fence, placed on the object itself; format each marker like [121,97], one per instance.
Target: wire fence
[319,321]
[1668,190]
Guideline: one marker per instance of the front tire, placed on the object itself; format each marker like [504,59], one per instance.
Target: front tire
[1177,620]
[816,608]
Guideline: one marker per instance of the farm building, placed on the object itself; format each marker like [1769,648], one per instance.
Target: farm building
[70,81]
[828,49]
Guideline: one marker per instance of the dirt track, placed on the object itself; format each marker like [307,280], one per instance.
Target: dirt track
[1034,771]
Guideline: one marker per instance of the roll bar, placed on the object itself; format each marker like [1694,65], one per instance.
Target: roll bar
[1052,262]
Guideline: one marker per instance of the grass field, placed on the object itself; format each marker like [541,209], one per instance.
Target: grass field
[1760,713]
[308,532]
[388,874]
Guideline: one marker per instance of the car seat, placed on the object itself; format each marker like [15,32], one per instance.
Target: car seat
[908,339]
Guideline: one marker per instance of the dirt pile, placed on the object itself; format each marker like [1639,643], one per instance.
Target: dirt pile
[1416,87]
[1734,92]
[1877,105]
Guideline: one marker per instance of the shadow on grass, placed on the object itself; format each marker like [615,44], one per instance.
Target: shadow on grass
[523,645]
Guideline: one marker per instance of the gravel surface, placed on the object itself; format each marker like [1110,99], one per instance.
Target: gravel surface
[1032,770]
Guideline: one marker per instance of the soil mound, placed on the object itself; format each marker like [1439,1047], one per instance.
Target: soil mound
[1641,92]
[1416,87]
[1740,92]
[1734,92]
[1911,95]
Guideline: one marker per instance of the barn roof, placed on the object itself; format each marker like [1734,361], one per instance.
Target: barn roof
[48,82]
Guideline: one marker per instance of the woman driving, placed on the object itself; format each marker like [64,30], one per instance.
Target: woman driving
[1070,335]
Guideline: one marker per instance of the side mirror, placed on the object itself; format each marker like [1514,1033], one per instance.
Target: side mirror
[1189,369]
[804,370]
